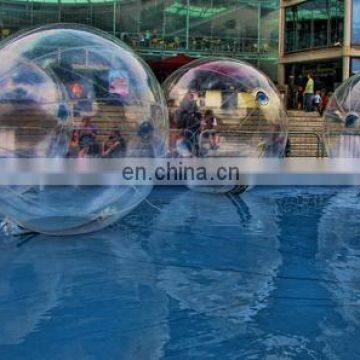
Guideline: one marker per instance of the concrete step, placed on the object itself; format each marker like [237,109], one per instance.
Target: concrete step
[304,146]
[303,154]
[305,116]
[305,127]
[304,121]
[295,142]
[296,113]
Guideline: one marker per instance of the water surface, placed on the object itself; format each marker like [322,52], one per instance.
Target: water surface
[271,274]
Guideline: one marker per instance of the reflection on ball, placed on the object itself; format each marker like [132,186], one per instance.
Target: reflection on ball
[71,91]
[342,120]
[223,107]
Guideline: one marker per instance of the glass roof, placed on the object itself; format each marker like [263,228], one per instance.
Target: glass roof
[195,11]
[70,1]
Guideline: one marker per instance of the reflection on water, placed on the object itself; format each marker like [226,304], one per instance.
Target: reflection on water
[339,254]
[223,246]
[268,275]
[144,308]
[30,287]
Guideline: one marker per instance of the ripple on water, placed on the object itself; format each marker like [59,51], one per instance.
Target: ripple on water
[339,255]
[209,246]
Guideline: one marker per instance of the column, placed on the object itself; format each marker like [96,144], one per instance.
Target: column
[281,74]
[347,39]
[282,30]
[114,18]
[59,11]
[281,67]
[259,28]
[164,22]
[346,68]
[187,24]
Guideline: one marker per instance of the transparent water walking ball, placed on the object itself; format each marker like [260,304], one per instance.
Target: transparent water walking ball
[222,108]
[342,120]
[72,91]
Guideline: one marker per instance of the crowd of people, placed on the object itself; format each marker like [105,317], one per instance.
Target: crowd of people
[85,142]
[151,39]
[85,139]
[309,99]
[193,131]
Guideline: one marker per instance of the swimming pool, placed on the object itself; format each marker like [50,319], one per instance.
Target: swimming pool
[271,274]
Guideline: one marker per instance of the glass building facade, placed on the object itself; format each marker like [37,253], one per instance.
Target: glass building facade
[315,34]
[246,29]
[314,24]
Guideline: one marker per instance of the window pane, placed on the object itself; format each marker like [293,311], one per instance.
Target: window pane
[321,16]
[337,21]
[355,66]
[356,22]
[314,24]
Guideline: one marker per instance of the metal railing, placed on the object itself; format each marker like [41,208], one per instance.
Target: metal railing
[196,140]
[320,144]
[200,43]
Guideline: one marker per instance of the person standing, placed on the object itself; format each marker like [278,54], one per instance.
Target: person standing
[317,101]
[299,98]
[324,101]
[309,94]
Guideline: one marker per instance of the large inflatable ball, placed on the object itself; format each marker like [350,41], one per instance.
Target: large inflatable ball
[342,119]
[222,108]
[71,91]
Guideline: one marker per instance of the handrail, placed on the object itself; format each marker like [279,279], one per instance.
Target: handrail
[319,137]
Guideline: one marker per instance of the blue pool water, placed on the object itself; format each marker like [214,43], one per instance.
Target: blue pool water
[271,274]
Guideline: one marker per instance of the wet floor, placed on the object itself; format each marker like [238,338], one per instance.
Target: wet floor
[271,274]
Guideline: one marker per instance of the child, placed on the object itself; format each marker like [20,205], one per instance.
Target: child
[74,145]
[324,101]
[114,146]
[210,125]
[317,101]
[183,146]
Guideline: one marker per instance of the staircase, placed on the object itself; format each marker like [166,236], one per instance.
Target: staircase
[305,132]
[240,133]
